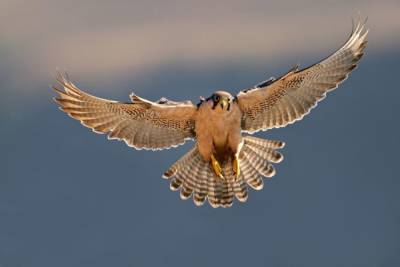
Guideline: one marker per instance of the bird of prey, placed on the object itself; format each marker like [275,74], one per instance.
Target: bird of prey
[224,162]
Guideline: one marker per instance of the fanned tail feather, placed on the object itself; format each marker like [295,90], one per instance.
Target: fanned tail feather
[195,178]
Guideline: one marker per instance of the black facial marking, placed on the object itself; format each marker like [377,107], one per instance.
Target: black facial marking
[216,98]
[199,104]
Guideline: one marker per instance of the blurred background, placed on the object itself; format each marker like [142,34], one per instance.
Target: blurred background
[69,197]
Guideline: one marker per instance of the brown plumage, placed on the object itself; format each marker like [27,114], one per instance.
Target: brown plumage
[223,163]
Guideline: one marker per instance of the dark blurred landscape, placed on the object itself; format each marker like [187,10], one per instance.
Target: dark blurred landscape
[69,197]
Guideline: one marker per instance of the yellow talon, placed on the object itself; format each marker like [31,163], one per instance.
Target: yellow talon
[236,167]
[216,167]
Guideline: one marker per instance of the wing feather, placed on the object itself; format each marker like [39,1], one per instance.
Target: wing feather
[141,124]
[277,103]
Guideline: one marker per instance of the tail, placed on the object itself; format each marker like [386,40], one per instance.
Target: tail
[195,177]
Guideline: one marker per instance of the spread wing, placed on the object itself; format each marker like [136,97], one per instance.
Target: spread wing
[276,103]
[141,124]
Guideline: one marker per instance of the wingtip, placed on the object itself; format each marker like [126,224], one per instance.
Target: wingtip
[55,99]
[57,90]
[62,77]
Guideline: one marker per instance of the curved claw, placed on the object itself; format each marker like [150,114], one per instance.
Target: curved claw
[216,167]
[236,166]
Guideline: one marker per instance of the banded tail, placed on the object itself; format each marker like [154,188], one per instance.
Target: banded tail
[194,177]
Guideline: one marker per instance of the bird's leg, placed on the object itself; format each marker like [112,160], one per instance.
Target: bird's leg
[236,165]
[216,167]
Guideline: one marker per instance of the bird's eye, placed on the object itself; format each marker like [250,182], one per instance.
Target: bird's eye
[216,98]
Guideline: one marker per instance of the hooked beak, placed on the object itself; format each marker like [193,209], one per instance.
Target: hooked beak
[223,103]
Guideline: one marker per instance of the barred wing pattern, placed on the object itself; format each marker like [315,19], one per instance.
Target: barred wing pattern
[141,124]
[276,103]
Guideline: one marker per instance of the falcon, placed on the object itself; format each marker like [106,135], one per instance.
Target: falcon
[224,160]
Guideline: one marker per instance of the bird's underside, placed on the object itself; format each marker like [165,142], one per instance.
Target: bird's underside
[223,162]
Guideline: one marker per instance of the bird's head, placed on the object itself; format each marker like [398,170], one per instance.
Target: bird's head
[220,101]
